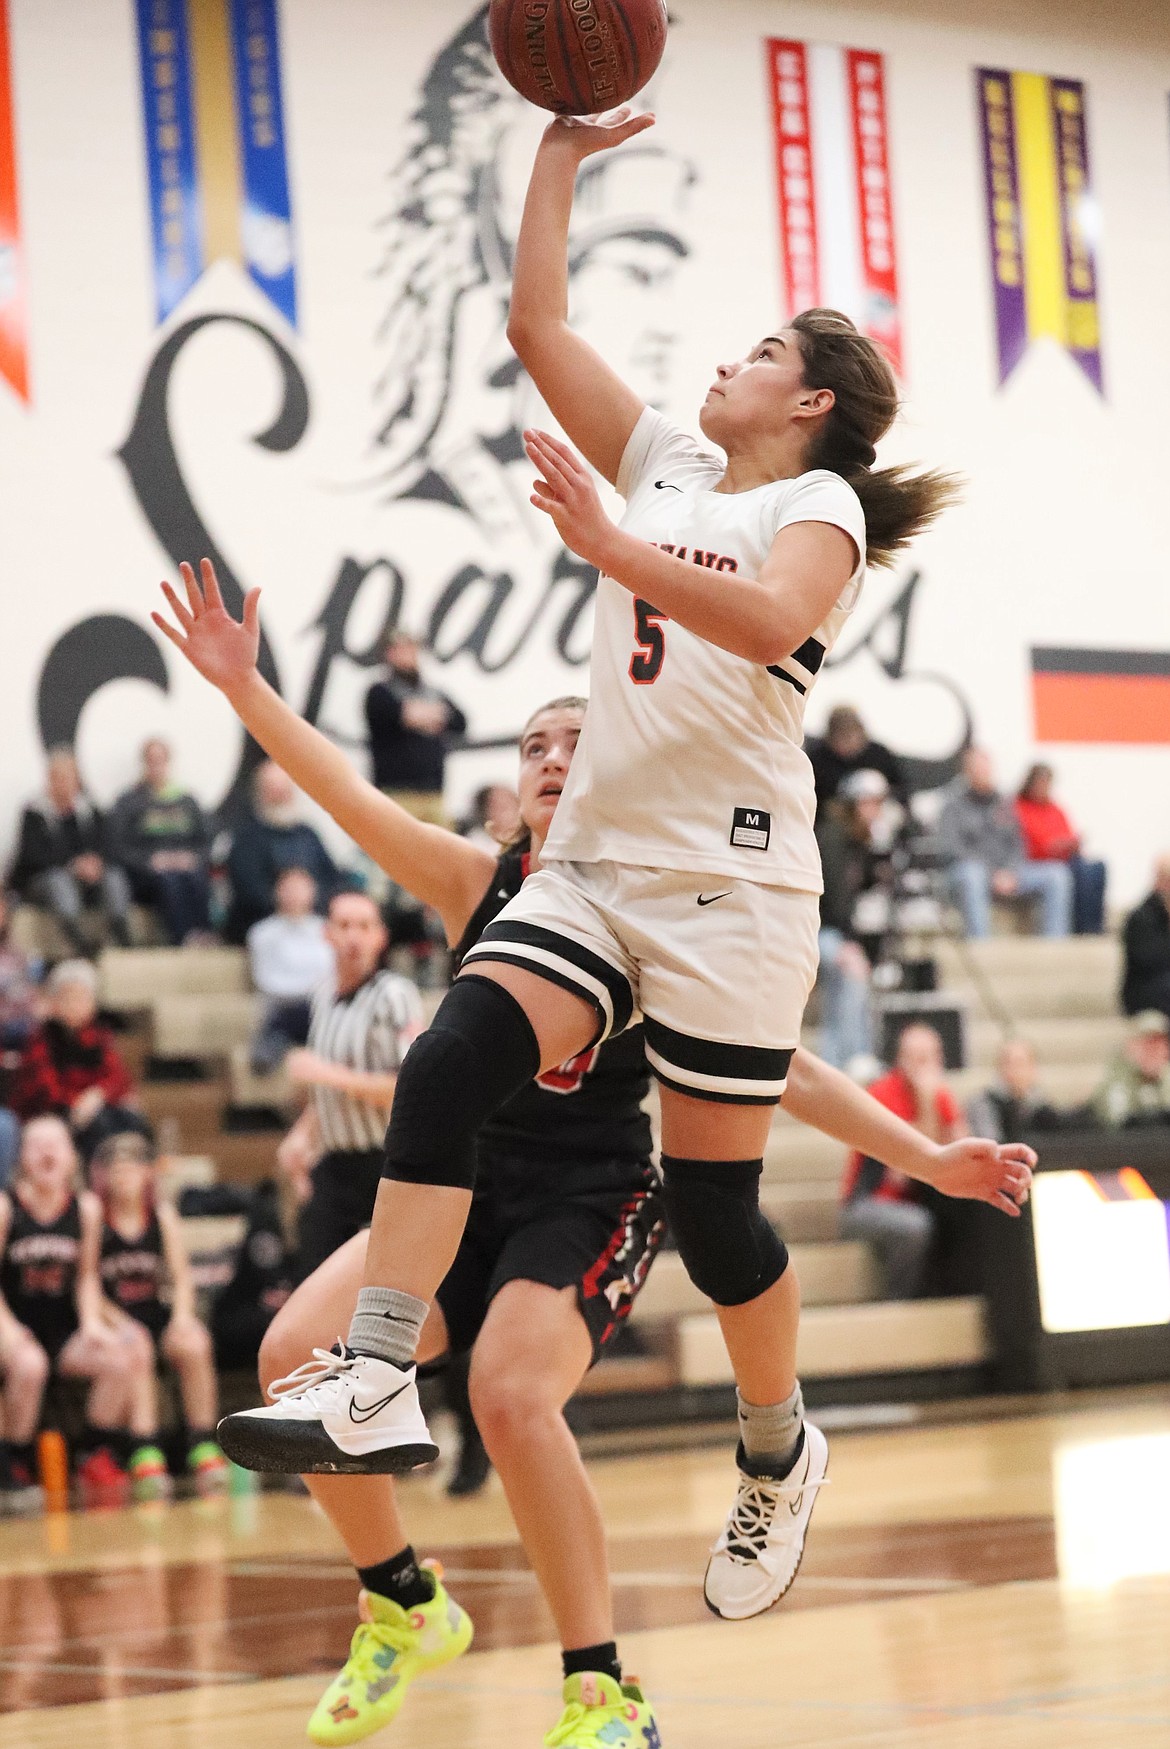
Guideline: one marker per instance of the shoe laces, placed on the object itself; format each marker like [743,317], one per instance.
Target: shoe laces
[746,1535]
[372,1637]
[326,1366]
[577,1715]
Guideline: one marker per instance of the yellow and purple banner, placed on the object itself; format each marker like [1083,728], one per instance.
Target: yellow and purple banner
[1041,216]
[13,302]
[216,161]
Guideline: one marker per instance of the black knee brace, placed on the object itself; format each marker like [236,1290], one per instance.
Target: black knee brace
[731,1251]
[478,1052]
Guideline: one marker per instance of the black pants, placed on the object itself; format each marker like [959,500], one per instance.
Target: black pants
[181,897]
[342,1203]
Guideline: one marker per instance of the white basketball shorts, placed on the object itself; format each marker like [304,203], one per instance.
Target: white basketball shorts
[721,969]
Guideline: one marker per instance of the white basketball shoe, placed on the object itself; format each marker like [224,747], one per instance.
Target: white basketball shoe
[341,1414]
[759,1551]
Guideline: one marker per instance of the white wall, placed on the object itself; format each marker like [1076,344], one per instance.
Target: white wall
[1060,539]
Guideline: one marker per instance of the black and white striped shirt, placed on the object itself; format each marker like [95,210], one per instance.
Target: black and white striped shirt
[370,1029]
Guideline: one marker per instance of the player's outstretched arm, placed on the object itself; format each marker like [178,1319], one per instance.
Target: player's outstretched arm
[442,870]
[588,400]
[979,1170]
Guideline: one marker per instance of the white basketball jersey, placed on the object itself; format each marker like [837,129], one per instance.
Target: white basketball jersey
[691,758]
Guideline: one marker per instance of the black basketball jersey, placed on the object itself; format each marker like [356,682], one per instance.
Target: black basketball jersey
[588,1109]
[134,1272]
[38,1274]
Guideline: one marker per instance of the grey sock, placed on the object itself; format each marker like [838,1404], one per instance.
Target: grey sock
[771,1432]
[387,1324]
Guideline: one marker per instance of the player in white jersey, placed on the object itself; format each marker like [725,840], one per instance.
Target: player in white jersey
[687,881]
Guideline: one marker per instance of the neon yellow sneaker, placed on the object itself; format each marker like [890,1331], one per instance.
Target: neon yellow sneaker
[603,1714]
[390,1648]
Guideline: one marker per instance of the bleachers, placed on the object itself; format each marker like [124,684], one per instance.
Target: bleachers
[195,1003]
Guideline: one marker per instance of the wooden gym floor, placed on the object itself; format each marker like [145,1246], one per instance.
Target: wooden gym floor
[978,1584]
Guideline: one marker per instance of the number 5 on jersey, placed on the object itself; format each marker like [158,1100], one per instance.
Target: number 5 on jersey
[646,662]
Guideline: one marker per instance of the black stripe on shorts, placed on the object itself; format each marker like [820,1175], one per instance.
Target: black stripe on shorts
[574,957]
[726,1067]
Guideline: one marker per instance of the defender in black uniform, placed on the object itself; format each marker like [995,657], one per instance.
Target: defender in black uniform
[51,1312]
[565,1225]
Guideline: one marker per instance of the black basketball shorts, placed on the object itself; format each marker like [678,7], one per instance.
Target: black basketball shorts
[600,1241]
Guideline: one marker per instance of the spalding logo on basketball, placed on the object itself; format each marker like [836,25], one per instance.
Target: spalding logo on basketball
[578,57]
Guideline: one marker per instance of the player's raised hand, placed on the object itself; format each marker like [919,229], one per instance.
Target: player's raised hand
[221,648]
[983,1171]
[587,134]
[566,492]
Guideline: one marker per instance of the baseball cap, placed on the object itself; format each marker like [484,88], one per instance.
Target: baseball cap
[865,786]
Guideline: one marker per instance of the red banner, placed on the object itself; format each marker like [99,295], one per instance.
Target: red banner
[788,87]
[13,312]
[867,92]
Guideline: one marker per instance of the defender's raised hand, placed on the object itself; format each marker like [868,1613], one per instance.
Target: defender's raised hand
[221,648]
[983,1171]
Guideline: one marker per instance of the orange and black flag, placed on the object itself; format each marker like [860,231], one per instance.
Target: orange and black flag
[1102,696]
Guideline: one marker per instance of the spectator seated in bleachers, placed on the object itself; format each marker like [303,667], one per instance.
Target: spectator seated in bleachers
[1049,836]
[52,1320]
[881,1207]
[845,748]
[19,985]
[980,841]
[19,1013]
[270,838]
[160,836]
[1014,1105]
[262,1280]
[147,1285]
[1146,938]
[71,1067]
[61,860]
[855,863]
[290,957]
[1136,1087]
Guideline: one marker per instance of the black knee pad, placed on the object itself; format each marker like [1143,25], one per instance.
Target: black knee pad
[478,1052]
[731,1251]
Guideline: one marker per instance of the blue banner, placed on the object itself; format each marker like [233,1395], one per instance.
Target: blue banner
[266,219]
[176,219]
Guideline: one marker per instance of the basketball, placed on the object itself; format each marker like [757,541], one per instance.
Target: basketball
[578,57]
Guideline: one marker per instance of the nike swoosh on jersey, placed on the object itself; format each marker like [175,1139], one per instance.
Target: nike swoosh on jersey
[713,898]
[367,1411]
[666,486]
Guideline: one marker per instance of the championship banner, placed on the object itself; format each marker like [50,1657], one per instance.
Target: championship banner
[215,151]
[833,184]
[1041,217]
[13,306]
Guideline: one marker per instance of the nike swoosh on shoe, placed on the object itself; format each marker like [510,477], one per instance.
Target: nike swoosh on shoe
[367,1411]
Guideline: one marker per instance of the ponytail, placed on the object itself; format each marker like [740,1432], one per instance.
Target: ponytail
[898,503]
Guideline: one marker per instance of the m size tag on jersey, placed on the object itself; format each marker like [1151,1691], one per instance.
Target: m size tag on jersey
[751,829]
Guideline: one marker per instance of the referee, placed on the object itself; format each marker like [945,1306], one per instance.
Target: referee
[363,1020]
